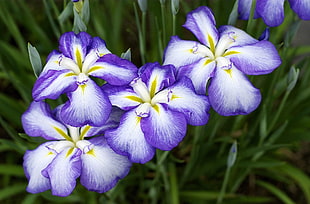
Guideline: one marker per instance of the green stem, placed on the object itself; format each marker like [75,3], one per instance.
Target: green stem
[163,20]
[224,186]
[174,191]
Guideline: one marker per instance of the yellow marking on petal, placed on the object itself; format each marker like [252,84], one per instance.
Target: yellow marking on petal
[153,87]
[50,153]
[95,68]
[156,108]
[69,74]
[79,59]
[101,54]
[91,152]
[83,86]
[84,131]
[174,97]
[212,45]
[228,71]
[56,61]
[138,120]
[230,53]
[207,62]
[135,98]
[70,151]
[62,133]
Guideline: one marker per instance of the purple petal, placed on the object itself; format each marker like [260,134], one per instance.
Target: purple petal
[301,7]
[199,73]
[231,93]
[259,58]
[63,171]
[244,9]
[87,105]
[185,100]
[201,23]
[102,168]
[100,46]
[182,52]
[38,121]
[53,83]
[114,70]
[164,129]
[271,11]
[34,162]
[128,139]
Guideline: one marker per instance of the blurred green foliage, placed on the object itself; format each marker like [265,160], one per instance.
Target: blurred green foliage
[272,161]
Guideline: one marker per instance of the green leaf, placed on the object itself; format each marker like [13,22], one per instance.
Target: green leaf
[9,169]
[35,60]
[12,190]
[126,55]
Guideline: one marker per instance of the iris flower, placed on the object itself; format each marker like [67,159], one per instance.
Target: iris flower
[69,71]
[57,164]
[272,11]
[224,56]
[158,109]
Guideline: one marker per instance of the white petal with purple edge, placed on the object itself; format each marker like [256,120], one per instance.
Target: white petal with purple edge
[123,97]
[128,139]
[231,93]
[164,128]
[238,36]
[34,162]
[114,70]
[100,46]
[201,23]
[272,11]
[38,121]
[63,171]
[199,73]
[53,62]
[102,167]
[53,83]
[185,100]
[259,58]
[88,104]
[183,52]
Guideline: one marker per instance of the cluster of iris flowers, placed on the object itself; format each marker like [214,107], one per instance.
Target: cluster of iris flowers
[101,130]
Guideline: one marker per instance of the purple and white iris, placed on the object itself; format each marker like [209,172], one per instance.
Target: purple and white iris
[69,71]
[225,56]
[158,108]
[272,11]
[57,164]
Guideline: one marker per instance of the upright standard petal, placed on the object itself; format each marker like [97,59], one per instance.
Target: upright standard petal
[185,100]
[128,139]
[199,73]
[88,105]
[102,168]
[255,59]
[38,121]
[301,7]
[164,128]
[231,93]
[271,11]
[34,162]
[157,77]
[53,83]
[63,171]
[114,70]
[201,23]
[182,52]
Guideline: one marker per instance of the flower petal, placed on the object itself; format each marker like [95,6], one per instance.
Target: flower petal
[182,52]
[271,11]
[244,9]
[114,70]
[34,162]
[63,171]
[199,73]
[128,139]
[53,83]
[75,46]
[201,23]
[38,121]
[100,46]
[87,105]
[185,100]
[231,93]
[301,7]
[157,77]
[259,58]
[123,97]
[102,167]
[164,129]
